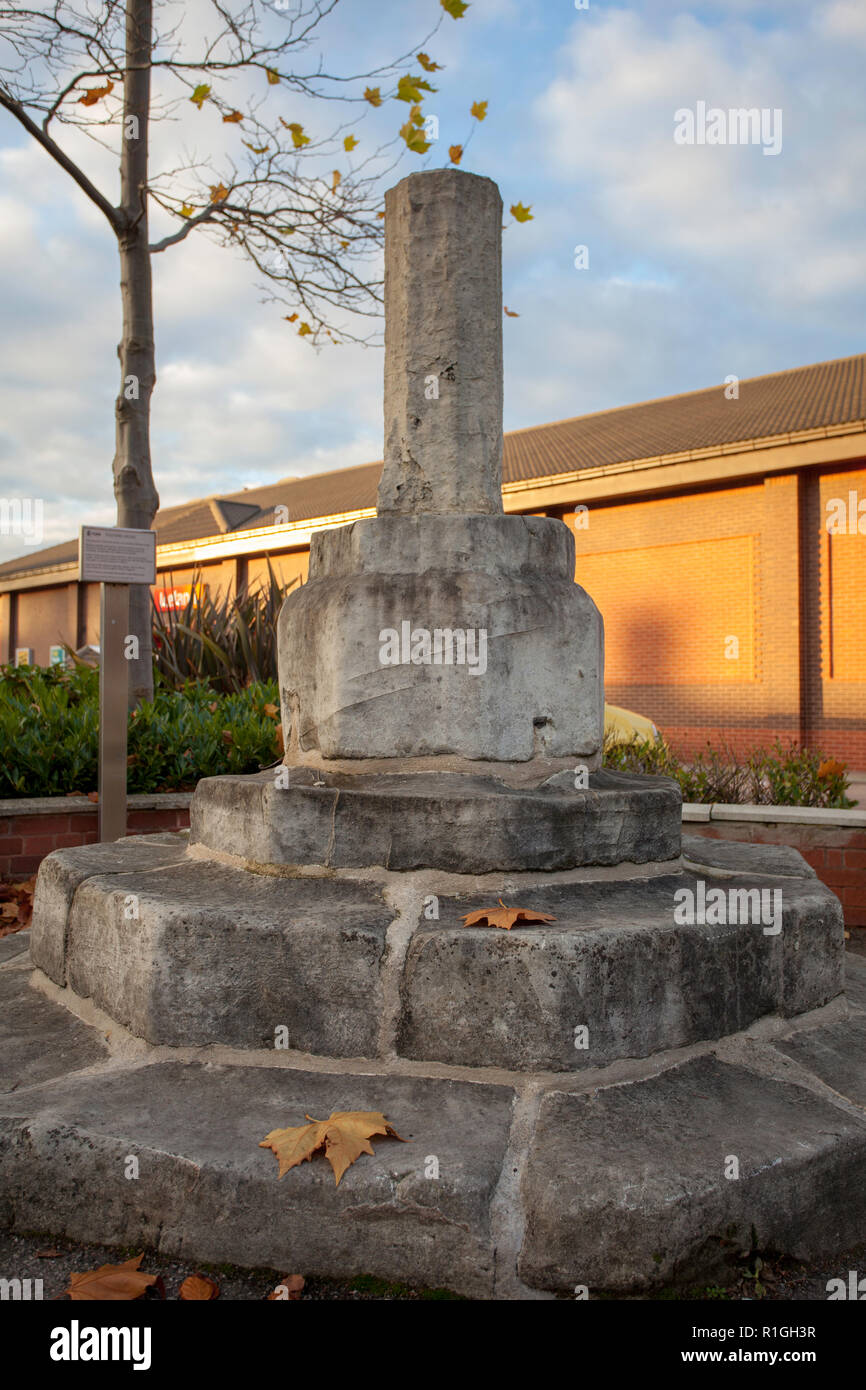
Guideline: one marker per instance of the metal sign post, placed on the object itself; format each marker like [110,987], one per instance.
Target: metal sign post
[113,709]
[114,557]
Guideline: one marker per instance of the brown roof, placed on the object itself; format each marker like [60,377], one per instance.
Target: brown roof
[828,393]
[804,398]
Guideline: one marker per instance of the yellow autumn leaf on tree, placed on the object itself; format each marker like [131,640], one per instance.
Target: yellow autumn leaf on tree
[232,118]
[344,1136]
[344,244]
[427,63]
[373,95]
[186,210]
[335,180]
[290,318]
[456,8]
[411,88]
[520,213]
[218,193]
[478,109]
[256,149]
[380,214]
[414,138]
[304,330]
[297,132]
[349,143]
[201,93]
[273,77]
[95,94]
[455,153]
[416,115]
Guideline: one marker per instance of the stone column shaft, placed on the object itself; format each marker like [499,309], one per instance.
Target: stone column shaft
[443,345]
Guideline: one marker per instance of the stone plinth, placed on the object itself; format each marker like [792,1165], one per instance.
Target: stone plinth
[458,822]
[515,672]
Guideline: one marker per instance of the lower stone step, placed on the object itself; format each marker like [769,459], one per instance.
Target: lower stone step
[511,1186]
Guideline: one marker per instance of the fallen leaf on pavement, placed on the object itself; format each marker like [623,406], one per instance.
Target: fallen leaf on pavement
[199,1288]
[288,1289]
[116,1283]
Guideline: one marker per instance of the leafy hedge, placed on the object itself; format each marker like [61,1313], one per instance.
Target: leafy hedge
[49,730]
[780,776]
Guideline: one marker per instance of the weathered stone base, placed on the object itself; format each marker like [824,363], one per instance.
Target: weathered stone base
[617,1099]
[187,949]
[460,822]
[620,1180]
[525,677]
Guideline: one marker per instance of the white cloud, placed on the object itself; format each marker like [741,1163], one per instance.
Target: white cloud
[764,224]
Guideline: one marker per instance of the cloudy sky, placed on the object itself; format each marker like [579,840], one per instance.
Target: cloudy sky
[704,260]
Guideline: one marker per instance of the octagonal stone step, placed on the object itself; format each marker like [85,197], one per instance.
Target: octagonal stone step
[184,950]
[465,823]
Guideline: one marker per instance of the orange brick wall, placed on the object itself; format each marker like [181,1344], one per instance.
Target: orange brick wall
[732,615]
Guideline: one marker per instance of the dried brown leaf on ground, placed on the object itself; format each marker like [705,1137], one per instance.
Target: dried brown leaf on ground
[16,905]
[288,1290]
[114,1283]
[344,1136]
[198,1288]
[505,917]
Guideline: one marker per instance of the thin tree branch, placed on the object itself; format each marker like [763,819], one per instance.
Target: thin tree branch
[15,109]
[205,216]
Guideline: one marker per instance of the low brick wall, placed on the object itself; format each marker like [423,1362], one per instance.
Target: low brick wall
[833,842]
[32,827]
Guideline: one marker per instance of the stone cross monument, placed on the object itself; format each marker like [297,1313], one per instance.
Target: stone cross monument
[308,949]
[441,557]
[440,671]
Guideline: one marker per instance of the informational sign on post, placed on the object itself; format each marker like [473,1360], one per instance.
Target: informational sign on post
[114,557]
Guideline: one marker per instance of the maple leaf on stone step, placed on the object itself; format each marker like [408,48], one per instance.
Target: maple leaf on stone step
[505,917]
[344,1136]
[114,1283]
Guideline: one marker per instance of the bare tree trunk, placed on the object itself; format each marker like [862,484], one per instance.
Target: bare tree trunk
[137,498]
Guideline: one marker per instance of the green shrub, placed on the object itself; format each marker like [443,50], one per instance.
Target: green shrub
[197,732]
[780,776]
[49,733]
[49,730]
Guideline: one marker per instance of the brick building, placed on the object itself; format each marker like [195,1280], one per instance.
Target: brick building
[722,535]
